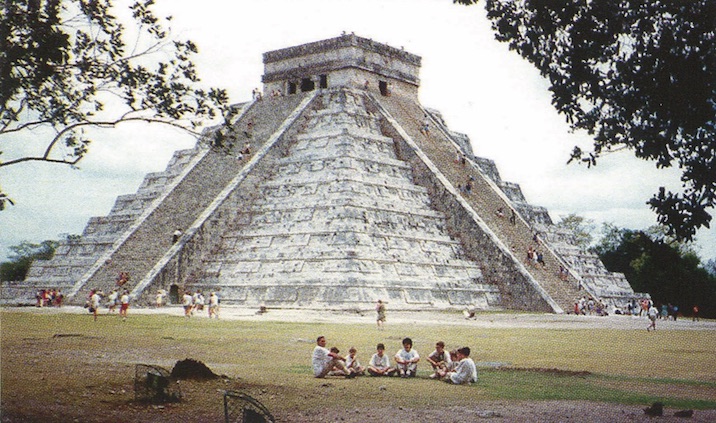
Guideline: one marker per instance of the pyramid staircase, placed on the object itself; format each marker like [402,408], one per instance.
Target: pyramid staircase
[74,256]
[138,231]
[341,223]
[331,210]
[486,198]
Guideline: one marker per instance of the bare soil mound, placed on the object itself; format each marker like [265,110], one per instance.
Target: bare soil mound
[192,369]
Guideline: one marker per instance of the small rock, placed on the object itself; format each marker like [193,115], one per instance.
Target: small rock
[656,409]
[684,413]
[488,414]
[382,388]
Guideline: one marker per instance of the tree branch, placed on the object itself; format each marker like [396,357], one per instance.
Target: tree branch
[100,124]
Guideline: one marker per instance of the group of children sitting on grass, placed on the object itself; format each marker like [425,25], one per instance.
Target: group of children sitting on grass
[454,367]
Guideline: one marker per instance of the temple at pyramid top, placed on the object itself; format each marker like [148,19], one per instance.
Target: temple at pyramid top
[344,61]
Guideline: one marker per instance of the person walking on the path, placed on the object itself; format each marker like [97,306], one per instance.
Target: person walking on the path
[380,309]
[653,313]
[213,305]
[124,304]
[95,299]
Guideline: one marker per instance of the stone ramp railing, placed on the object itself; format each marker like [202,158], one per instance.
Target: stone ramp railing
[485,199]
[73,257]
[270,123]
[151,236]
[294,241]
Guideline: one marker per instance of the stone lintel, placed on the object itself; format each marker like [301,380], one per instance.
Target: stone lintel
[347,40]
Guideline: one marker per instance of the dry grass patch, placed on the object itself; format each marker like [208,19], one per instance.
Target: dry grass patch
[65,364]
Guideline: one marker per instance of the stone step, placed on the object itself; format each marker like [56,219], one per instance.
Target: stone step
[343,209]
[150,240]
[482,197]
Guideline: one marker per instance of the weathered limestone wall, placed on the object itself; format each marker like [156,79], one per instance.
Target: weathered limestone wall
[497,265]
[611,287]
[339,223]
[183,264]
[74,257]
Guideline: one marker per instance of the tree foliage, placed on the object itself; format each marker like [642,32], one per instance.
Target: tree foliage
[69,65]
[22,257]
[580,227]
[635,75]
[652,265]
[710,267]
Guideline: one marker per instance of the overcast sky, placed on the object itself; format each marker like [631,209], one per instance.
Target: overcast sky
[481,88]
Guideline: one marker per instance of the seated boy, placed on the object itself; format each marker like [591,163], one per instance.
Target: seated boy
[353,364]
[324,361]
[465,372]
[380,363]
[407,359]
[340,368]
[440,360]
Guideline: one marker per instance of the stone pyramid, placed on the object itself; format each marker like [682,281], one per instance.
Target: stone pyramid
[350,192]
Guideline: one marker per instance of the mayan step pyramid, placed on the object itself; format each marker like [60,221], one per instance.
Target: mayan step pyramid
[351,192]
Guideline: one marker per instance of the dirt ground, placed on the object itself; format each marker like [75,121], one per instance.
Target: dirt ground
[105,398]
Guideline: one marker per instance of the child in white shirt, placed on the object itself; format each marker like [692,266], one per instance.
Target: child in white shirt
[465,372]
[407,359]
[380,363]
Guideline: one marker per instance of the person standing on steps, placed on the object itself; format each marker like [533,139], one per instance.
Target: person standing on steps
[425,128]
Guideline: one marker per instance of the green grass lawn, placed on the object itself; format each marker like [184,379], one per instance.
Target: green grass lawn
[623,366]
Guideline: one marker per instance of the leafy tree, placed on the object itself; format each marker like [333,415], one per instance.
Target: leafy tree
[22,257]
[580,227]
[667,273]
[710,267]
[635,75]
[66,66]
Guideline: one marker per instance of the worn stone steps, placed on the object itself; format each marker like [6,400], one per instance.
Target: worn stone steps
[482,197]
[148,242]
[341,208]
